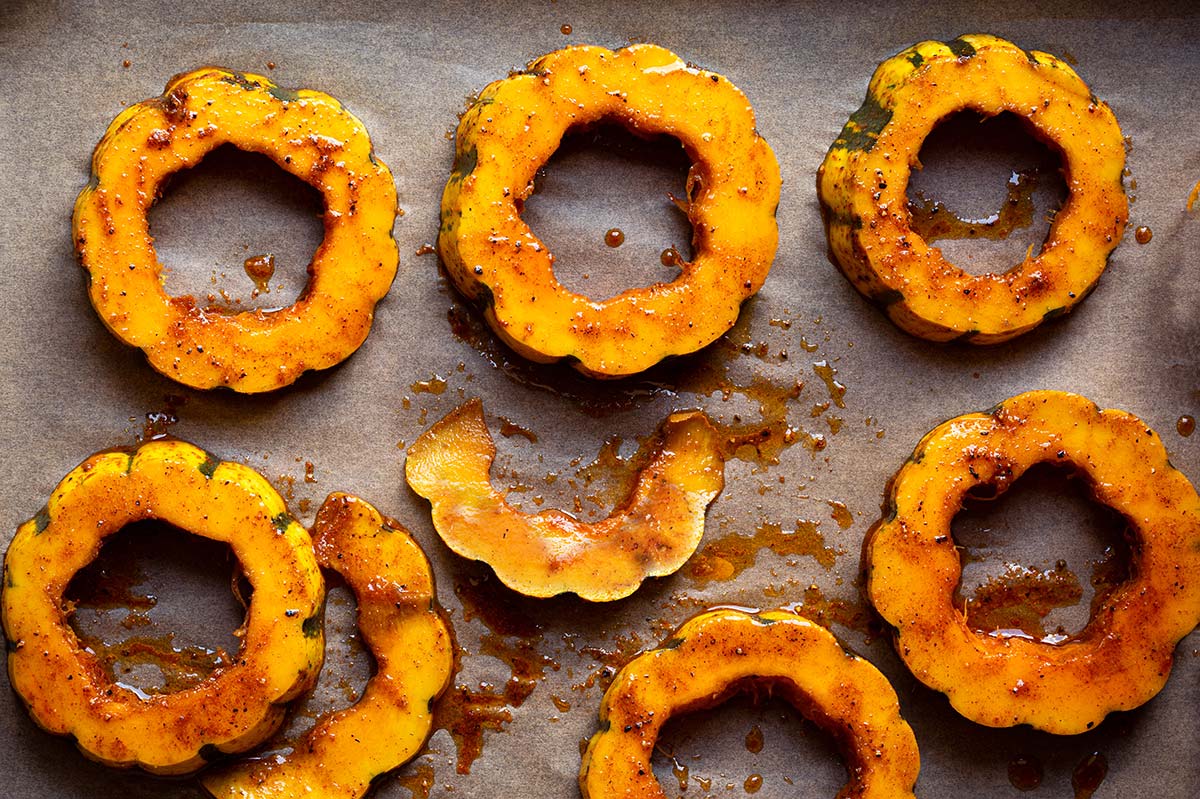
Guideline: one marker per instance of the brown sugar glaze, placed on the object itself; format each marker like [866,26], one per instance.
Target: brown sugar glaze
[1185,425]
[465,712]
[727,557]
[692,381]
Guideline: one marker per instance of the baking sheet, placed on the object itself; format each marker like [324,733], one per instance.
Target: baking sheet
[70,388]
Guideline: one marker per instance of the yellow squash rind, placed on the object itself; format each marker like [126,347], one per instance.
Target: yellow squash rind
[514,127]
[65,688]
[652,534]
[1123,656]
[863,185]
[306,133]
[712,656]
[345,752]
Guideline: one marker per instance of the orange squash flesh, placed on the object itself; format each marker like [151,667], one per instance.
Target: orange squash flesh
[708,658]
[306,133]
[863,181]
[64,687]
[543,554]
[1123,656]
[345,752]
[514,127]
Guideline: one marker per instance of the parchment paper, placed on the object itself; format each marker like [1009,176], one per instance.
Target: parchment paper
[70,388]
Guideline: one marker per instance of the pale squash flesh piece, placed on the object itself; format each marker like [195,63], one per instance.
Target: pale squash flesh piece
[308,134]
[863,186]
[64,687]
[511,131]
[1123,657]
[718,652]
[544,554]
[402,626]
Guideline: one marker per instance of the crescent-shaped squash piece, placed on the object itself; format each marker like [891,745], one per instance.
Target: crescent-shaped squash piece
[402,626]
[547,553]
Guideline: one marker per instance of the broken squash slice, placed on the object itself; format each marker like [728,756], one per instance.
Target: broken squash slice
[345,752]
[543,554]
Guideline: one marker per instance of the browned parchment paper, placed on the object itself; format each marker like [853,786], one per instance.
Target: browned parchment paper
[70,388]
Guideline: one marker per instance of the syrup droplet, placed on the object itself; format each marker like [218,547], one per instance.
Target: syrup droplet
[828,373]
[670,257]
[1088,775]
[260,269]
[841,514]
[566,30]
[1186,425]
[753,783]
[1025,773]
[425,249]
[434,385]
[614,237]
[754,739]
[679,770]
[1143,235]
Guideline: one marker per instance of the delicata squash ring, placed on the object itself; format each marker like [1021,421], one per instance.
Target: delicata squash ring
[717,652]
[307,133]
[1123,656]
[65,688]
[653,533]
[402,626]
[863,183]
[514,127]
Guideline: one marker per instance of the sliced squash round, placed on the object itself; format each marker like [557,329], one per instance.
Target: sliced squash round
[863,185]
[513,128]
[346,752]
[65,688]
[1123,656]
[651,534]
[308,134]
[714,655]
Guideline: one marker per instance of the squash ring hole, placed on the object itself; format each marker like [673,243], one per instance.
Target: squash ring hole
[706,748]
[236,231]
[130,607]
[603,178]
[1038,556]
[988,190]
